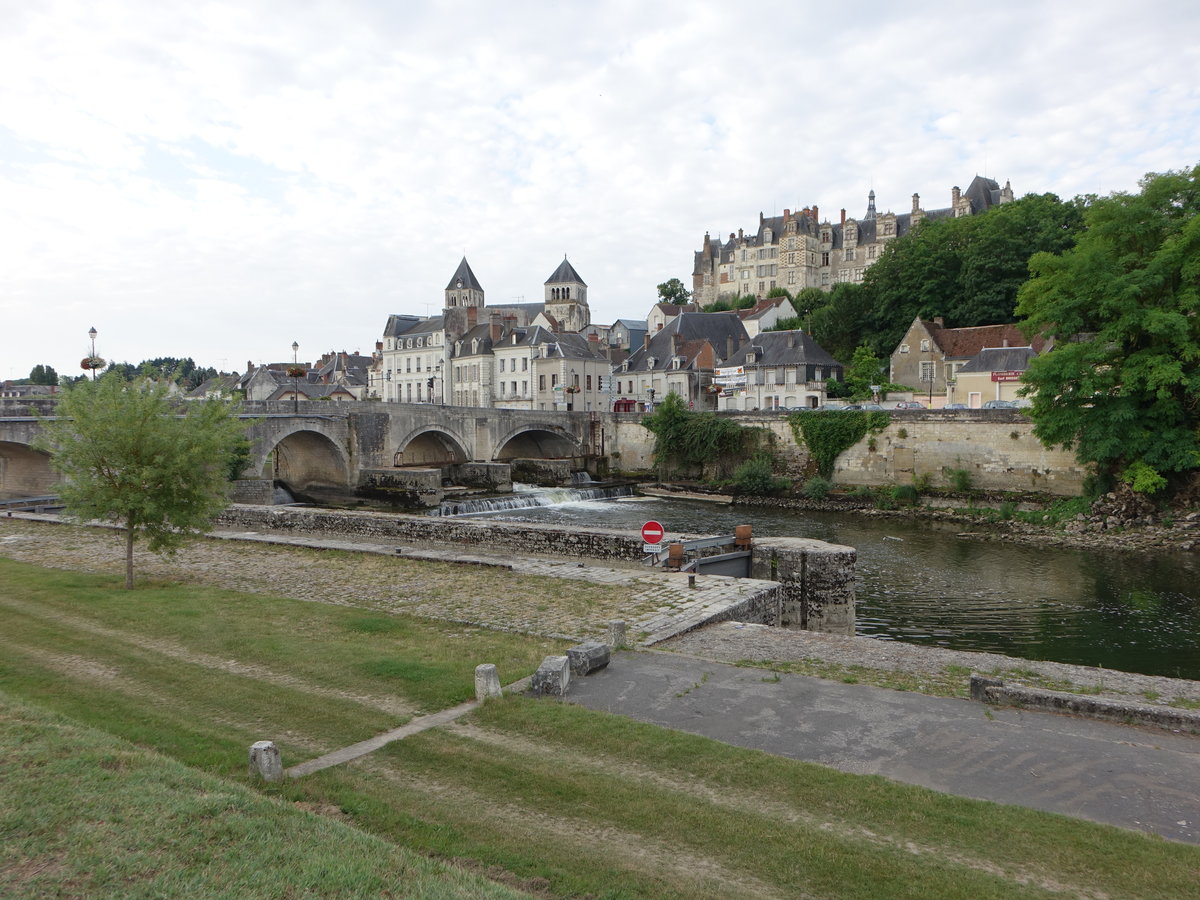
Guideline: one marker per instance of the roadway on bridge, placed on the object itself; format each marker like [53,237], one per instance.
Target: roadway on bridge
[1132,777]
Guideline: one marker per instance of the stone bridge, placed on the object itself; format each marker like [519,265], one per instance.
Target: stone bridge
[373,448]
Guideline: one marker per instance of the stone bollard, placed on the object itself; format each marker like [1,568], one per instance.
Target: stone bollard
[587,658]
[487,682]
[980,685]
[552,677]
[265,761]
[616,634]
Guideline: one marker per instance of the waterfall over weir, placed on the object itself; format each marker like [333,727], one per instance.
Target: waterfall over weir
[525,496]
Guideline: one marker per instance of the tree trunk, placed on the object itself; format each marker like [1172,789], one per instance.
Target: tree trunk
[129,557]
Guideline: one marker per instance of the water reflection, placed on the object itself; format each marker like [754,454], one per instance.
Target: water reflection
[919,582]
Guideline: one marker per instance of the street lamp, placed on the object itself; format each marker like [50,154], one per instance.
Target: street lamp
[295,376]
[92,359]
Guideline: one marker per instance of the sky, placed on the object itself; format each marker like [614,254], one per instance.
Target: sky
[218,180]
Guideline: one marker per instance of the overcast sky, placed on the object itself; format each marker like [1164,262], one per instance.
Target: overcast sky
[219,180]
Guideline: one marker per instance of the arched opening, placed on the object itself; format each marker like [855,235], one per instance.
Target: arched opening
[309,465]
[25,472]
[430,448]
[536,443]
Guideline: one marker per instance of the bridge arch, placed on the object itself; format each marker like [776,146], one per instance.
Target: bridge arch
[25,472]
[307,461]
[430,445]
[537,442]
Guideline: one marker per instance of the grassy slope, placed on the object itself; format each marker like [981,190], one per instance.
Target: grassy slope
[594,804]
[85,814]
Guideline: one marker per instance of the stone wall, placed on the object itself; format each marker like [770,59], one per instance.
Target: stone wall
[816,582]
[385,527]
[259,491]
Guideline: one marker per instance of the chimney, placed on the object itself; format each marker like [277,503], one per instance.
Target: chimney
[955,194]
[816,213]
[787,215]
[791,339]
[939,321]
[593,338]
[916,202]
[739,234]
[843,218]
[677,343]
[646,341]
[495,330]
[730,349]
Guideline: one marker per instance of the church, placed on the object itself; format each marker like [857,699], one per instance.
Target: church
[509,356]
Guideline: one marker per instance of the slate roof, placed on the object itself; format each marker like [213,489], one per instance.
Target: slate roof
[984,193]
[464,274]
[565,273]
[1000,359]
[783,348]
[685,336]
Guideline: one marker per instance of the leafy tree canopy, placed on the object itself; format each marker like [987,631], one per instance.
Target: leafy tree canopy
[1122,384]
[40,374]
[183,372]
[673,291]
[128,454]
[685,441]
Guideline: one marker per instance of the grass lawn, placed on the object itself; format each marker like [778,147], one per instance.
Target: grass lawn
[556,798]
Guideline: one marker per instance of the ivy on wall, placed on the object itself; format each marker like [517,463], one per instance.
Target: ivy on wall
[686,442]
[830,433]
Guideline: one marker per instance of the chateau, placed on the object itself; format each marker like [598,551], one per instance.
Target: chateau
[797,251]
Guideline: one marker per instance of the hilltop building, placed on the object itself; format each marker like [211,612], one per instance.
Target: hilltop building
[797,251]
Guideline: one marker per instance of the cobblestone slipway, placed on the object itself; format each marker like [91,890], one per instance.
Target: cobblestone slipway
[656,605]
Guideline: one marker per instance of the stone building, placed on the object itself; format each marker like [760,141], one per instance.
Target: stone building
[800,250]
[776,370]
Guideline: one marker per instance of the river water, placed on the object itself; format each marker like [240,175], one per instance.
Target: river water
[918,582]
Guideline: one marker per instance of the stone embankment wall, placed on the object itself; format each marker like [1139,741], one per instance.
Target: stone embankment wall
[996,447]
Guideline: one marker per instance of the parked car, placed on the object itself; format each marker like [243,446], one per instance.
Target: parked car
[999,404]
[956,406]
[910,404]
[868,406]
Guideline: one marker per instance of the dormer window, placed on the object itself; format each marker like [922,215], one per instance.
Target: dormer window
[750,358]
[650,361]
[420,341]
[677,362]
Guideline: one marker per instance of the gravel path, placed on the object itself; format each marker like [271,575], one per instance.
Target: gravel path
[471,594]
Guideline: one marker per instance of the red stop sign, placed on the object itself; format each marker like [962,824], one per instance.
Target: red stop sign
[652,532]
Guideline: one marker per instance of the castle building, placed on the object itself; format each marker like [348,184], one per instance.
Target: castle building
[798,251]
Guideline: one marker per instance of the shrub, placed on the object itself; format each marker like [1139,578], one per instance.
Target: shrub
[902,433]
[1007,510]
[960,479]
[905,494]
[756,476]
[921,482]
[817,488]
[1142,478]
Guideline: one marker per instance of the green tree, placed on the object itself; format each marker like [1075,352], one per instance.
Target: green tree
[40,374]
[1122,384]
[673,291]
[865,369]
[128,454]
[843,323]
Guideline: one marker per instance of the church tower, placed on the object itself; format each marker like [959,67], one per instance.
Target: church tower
[464,300]
[566,298]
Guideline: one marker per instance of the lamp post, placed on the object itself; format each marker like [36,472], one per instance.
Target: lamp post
[295,383]
[92,359]
[931,374]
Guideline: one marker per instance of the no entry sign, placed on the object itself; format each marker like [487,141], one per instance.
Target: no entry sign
[652,532]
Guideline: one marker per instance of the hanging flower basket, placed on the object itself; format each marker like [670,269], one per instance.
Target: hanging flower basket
[296,371]
[91,363]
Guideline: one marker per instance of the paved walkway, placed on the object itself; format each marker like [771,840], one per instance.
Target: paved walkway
[1135,778]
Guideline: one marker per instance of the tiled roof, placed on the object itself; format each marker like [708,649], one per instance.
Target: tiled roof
[783,348]
[963,343]
[565,273]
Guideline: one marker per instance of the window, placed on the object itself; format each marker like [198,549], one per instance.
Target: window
[791,277]
[418,364]
[825,259]
[553,380]
[408,364]
[927,370]
[541,382]
[589,382]
[849,256]
[871,251]
[502,364]
[524,363]
[904,348]
[745,274]
[524,388]
[924,345]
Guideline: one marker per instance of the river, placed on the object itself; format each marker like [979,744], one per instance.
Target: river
[918,582]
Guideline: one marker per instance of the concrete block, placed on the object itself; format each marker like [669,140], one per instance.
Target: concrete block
[265,761]
[487,682]
[587,658]
[552,677]
[616,634]
[980,685]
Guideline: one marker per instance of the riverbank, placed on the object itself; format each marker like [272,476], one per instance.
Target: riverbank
[576,610]
[1119,521]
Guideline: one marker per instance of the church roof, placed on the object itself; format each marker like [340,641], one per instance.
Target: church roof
[565,273]
[464,274]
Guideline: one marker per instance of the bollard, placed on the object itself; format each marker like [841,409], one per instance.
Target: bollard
[487,682]
[691,579]
[742,537]
[265,761]
[552,677]
[616,634]
[675,556]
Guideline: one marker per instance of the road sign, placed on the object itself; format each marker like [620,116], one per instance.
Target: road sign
[652,532]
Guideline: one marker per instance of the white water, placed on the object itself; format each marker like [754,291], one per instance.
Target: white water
[527,496]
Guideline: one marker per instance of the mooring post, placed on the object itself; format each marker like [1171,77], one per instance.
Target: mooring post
[742,537]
